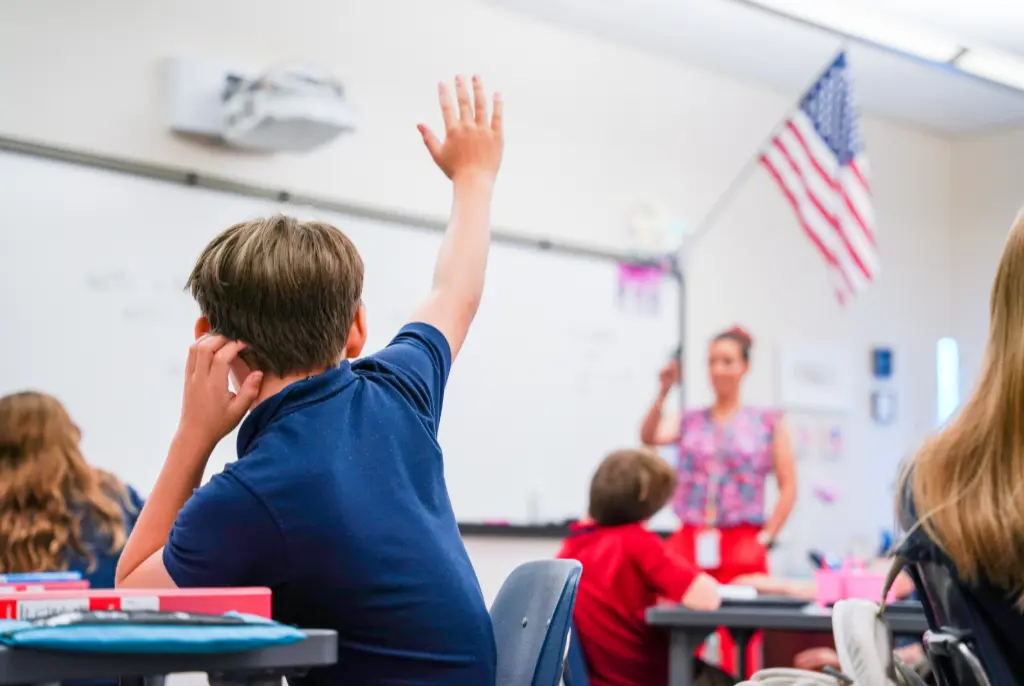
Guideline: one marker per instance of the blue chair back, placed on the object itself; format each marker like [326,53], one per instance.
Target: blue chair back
[576,673]
[531,616]
[960,643]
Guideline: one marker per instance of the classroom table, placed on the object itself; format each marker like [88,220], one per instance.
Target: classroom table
[688,628]
[260,667]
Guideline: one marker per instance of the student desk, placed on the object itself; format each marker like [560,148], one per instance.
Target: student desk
[688,628]
[254,667]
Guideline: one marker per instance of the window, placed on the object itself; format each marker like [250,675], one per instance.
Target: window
[947,356]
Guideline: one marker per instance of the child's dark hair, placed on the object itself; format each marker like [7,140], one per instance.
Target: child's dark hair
[740,337]
[630,486]
[289,289]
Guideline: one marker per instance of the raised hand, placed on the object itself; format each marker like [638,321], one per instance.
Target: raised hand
[209,410]
[670,375]
[473,142]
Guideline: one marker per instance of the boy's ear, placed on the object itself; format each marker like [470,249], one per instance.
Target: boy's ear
[202,327]
[356,334]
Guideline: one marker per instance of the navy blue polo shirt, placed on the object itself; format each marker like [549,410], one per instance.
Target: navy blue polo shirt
[338,503]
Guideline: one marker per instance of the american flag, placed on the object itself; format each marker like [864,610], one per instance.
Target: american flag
[818,161]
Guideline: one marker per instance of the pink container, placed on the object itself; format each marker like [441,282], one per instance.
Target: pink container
[829,586]
[866,585]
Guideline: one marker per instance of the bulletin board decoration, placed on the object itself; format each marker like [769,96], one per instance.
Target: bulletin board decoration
[814,378]
[640,283]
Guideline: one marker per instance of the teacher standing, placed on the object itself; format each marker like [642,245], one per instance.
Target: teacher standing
[726,453]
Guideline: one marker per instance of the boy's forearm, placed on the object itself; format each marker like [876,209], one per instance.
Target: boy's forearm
[462,260]
[180,476]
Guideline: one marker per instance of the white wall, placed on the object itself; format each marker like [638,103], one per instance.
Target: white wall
[988,194]
[593,128]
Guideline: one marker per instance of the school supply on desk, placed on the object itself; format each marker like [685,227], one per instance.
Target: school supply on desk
[214,601]
[44,586]
[766,601]
[731,592]
[40,577]
[851,580]
[820,560]
[147,632]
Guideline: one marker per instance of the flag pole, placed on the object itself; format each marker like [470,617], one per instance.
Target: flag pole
[719,206]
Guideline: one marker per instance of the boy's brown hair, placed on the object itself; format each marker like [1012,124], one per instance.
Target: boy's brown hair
[630,486]
[288,289]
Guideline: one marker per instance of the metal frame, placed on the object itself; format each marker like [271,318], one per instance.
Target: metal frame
[947,644]
[187,177]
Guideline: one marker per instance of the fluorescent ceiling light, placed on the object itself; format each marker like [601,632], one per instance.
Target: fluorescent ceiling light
[855,22]
[993,66]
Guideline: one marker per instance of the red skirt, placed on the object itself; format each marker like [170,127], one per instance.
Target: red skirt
[740,553]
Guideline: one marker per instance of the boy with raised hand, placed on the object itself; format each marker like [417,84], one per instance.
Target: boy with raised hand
[337,501]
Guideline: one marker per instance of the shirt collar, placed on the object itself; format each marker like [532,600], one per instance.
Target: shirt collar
[582,527]
[293,396]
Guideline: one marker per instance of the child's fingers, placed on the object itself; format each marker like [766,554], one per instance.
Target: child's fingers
[496,114]
[447,111]
[479,101]
[430,140]
[247,394]
[462,95]
[226,354]
[190,364]
[206,347]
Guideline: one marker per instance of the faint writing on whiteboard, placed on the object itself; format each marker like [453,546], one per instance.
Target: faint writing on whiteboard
[119,280]
[140,298]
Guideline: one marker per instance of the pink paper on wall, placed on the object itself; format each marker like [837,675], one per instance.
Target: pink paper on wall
[640,284]
[825,494]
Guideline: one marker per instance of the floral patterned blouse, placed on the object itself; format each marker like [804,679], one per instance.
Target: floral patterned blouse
[722,467]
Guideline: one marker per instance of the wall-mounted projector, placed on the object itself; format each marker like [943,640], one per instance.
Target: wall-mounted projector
[286,109]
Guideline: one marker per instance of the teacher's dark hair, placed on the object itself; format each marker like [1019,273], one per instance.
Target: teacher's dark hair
[740,337]
[630,486]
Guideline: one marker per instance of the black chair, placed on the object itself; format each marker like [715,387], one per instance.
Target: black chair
[532,615]
[960,642]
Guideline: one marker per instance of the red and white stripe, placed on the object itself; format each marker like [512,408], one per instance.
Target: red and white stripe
[832,202]
[31,605]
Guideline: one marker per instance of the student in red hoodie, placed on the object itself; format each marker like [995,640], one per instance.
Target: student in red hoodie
[626,569]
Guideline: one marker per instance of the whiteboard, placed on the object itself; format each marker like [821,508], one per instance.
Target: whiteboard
[557,371]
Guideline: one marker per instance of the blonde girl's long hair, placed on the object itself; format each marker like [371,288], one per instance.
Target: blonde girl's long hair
[47,488]
[967,482]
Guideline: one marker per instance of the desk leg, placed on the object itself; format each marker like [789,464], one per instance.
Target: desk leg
[680,657]
[742,638]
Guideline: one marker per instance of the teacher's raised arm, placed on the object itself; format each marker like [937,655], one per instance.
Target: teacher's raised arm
[657,428]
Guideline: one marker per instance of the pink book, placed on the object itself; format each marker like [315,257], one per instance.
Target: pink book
[37,586]
[211,601]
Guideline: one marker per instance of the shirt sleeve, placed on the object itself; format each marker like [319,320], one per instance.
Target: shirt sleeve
[225,536]
[419,358]
[668,575]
